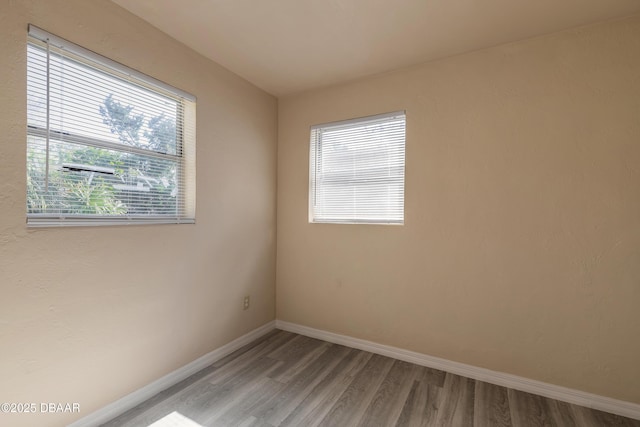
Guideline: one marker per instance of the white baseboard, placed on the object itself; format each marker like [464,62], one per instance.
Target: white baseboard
[132,400]
[594,401]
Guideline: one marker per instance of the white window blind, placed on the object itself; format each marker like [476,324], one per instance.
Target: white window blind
[357,170]
[105,144]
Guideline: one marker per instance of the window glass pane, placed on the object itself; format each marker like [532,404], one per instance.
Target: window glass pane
[89,180]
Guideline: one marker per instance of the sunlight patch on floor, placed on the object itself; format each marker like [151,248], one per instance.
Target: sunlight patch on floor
[175,419]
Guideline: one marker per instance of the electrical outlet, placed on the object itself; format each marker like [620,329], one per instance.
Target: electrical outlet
[246,302]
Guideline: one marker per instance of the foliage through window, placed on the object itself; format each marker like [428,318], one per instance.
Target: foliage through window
[105,144]
[357,170]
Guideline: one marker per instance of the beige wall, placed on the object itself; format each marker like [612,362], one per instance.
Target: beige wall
[521,245]
[88,315]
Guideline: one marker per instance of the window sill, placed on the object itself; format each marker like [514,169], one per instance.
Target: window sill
[93,221]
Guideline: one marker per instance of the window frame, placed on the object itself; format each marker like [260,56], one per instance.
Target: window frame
[315,153]
[183,159]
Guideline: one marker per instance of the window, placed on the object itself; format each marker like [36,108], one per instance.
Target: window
[105,143]
[357,170]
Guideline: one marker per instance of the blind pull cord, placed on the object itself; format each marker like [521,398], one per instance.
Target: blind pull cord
[46,167]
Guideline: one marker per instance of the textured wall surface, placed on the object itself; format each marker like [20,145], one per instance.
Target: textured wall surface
[521,247]
[88,315]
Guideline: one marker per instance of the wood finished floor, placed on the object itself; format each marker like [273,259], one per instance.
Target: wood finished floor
[285,379]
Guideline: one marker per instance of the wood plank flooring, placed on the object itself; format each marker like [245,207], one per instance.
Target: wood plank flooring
[285,379]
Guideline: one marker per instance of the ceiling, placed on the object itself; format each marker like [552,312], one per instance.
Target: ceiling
[287,46]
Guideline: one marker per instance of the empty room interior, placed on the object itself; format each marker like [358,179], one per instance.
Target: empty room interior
[319,213]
